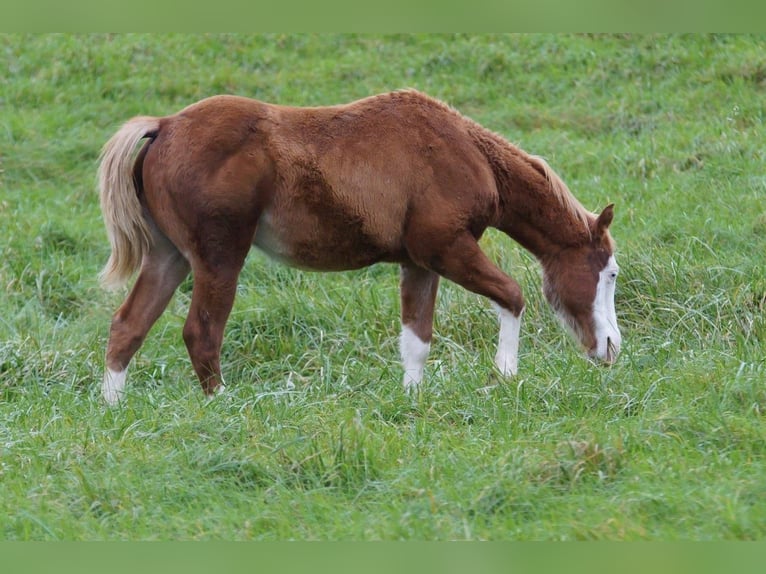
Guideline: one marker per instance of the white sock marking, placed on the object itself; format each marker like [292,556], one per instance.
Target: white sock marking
[113,387]
[414,353]
[507,357]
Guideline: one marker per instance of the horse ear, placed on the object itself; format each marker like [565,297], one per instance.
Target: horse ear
[604,220]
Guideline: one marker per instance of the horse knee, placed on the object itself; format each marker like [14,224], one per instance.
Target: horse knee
[512,300]
[517,302]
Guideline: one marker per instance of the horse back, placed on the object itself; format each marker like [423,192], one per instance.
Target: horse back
[328,187]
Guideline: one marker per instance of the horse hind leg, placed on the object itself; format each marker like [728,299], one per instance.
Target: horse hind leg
[418,295]
[162,270]
[215,287]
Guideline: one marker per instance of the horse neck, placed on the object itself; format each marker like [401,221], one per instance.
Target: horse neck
[533,212]
[537,220]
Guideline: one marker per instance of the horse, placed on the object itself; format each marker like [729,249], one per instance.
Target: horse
[398,177]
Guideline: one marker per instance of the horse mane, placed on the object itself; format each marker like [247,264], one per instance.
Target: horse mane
[502,155]
[561,192]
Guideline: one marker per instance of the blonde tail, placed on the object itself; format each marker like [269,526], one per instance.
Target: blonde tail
[126,227]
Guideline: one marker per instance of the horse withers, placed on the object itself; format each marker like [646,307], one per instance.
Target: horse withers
[397,177]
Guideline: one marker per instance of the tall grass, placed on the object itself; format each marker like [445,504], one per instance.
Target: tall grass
[315,438]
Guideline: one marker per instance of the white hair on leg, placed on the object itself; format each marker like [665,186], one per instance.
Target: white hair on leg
[114,384]
[507,357]
[414,353]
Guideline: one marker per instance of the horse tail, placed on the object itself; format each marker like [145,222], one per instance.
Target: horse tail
[126,226]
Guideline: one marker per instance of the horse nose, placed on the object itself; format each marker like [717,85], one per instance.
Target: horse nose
[611,351]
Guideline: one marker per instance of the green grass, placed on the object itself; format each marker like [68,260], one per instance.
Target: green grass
[314,438]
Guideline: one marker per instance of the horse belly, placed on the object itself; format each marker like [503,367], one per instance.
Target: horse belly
[308,241]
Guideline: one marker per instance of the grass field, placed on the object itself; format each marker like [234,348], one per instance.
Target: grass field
[315,438]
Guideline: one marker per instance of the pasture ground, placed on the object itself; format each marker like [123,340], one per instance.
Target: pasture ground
[314,438]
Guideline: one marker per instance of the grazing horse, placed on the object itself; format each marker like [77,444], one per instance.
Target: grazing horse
[397,177]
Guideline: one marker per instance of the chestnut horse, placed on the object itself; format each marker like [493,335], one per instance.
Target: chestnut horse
[397,177]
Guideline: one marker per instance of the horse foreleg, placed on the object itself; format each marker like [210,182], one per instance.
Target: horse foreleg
[162,271]
[507,356]
[466,264]
[418,294]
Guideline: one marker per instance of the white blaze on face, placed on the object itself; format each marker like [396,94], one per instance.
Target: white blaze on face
[608,338]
